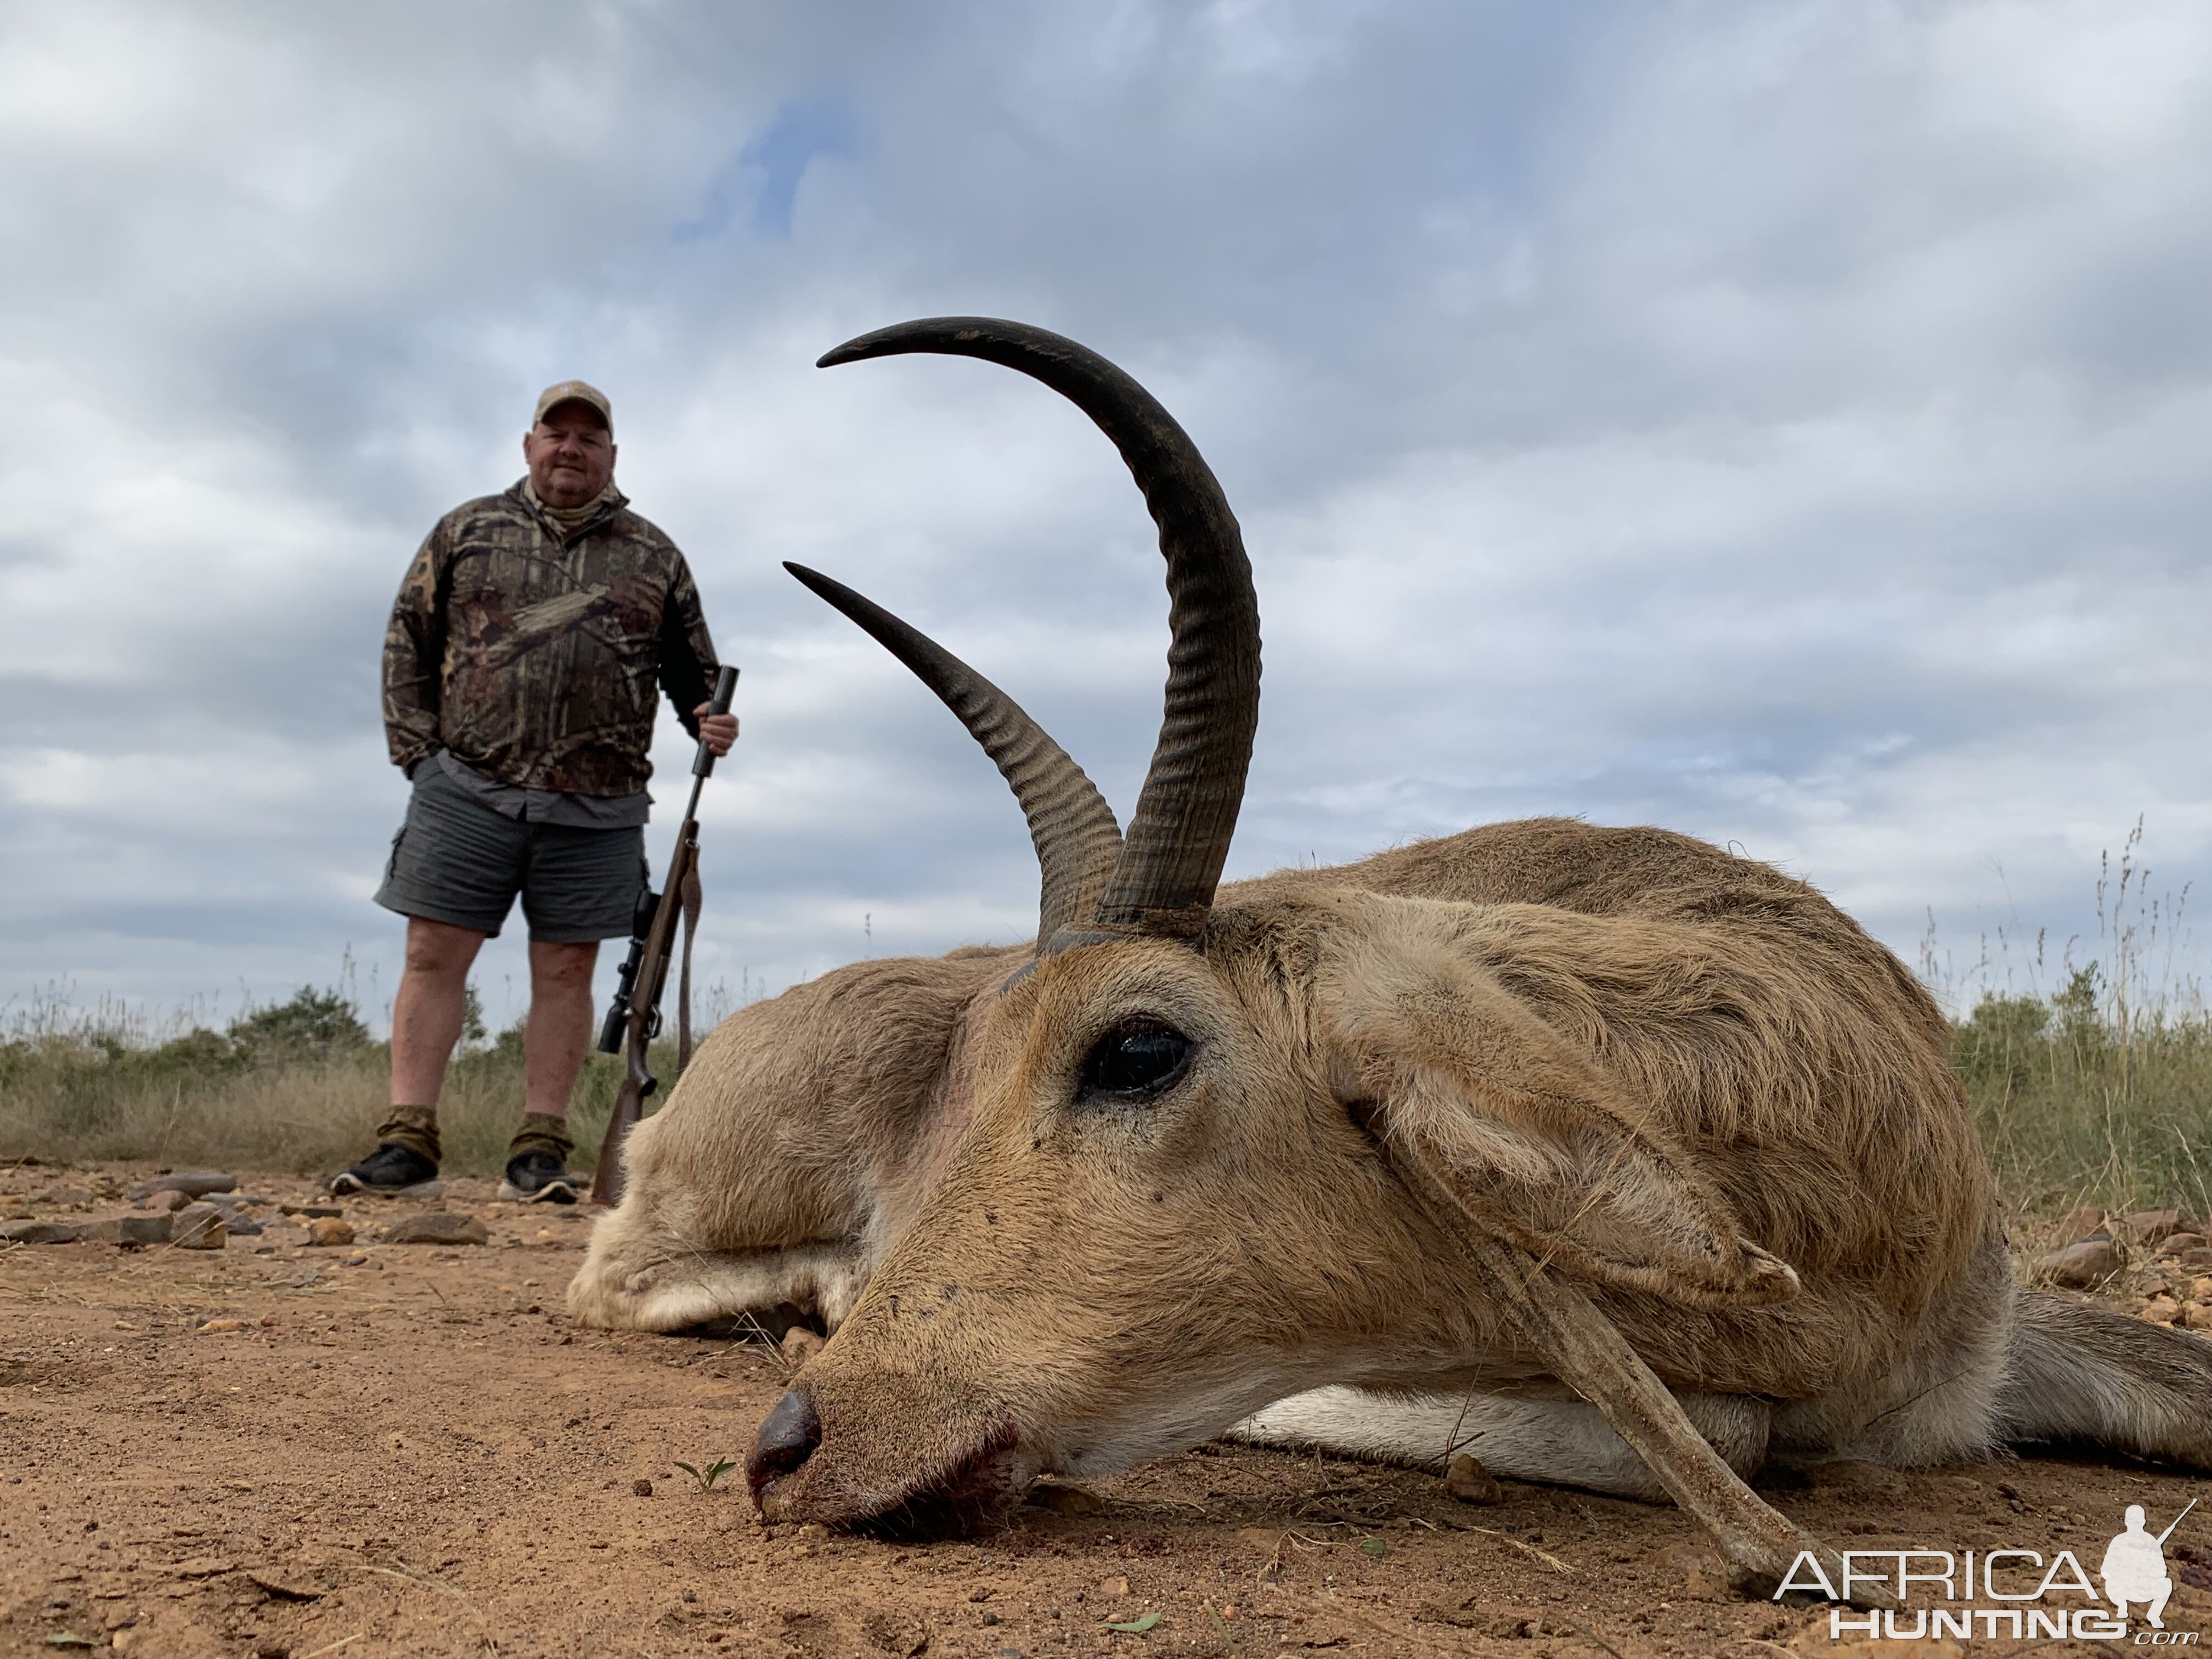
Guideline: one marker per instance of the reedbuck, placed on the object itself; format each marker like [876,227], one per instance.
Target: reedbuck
[1632,1162]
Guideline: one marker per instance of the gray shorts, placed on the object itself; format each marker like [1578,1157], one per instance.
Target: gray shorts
[457,860]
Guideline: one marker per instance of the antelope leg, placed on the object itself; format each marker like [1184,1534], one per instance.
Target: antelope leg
[1583,1350]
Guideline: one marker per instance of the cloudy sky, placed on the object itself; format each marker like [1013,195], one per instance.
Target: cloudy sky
[1784,422]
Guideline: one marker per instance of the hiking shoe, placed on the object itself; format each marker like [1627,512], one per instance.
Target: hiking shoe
[391,1171]
[538,1178]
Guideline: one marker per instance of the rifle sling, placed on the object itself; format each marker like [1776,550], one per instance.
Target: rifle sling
[690,897]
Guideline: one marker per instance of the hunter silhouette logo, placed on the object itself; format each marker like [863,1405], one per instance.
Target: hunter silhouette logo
[2027,1596]
[2135,1567]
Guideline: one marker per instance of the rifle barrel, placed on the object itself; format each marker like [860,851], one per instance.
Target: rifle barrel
[635,1014]
[2177,1520]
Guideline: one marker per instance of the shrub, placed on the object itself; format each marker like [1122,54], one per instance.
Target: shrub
[313,1022]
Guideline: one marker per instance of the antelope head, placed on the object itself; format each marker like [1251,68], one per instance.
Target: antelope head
[1218,1155]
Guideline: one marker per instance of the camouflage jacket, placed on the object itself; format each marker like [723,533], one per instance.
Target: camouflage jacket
[536,659]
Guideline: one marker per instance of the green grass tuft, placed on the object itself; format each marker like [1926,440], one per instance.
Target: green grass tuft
[2076,1107]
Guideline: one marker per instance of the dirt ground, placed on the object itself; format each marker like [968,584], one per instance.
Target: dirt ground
[282,1449]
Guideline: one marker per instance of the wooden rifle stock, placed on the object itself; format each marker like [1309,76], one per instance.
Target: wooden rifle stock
[634,1019]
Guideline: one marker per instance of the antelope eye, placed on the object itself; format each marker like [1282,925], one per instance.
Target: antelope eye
[1137,1057]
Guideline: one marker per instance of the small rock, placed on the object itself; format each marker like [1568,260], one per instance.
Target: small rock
[1115,1587]
[310,1210]
[2197,1259]
[641,1488]
[814,1531]
[2161,1311]
[1469,1482]
[2077,1224]
[2081,1265]
[41,1232]
[167,1200]
[199,1227]
[439,1227]
[1065,1500]
[2175,1243]
[2151,1223]
[328,1231]
[130,1230]
[800,1344]
[358,1259]
[2195,1316]
[217,1327]
[193,1183]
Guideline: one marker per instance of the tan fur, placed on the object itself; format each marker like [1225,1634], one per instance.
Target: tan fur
[813,1123]
[804,1136]
[1681,1078]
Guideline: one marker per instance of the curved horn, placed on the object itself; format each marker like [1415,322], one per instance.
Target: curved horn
[1178,839]
[1071,825]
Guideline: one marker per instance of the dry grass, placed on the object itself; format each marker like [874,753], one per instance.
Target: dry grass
[2077,1109]
[301,1087]
[2100,1092]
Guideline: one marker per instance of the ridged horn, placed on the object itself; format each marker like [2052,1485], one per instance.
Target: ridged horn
[1071,825]
[1178,840]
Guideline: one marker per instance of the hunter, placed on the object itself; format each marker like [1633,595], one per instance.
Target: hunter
[522,669]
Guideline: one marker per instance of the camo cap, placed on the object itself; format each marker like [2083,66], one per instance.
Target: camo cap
[575,391]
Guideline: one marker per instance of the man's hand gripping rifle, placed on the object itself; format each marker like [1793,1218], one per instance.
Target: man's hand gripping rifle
[634,1019]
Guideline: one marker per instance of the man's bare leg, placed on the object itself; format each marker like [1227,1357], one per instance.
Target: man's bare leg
[554,1044]
[425,1023]
[427,1012]
[559,1034]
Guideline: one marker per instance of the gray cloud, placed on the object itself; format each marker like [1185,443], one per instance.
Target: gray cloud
[1786,425]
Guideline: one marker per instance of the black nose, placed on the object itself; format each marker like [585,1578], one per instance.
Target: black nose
[787,1438]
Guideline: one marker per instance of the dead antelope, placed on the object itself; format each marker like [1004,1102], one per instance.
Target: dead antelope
[1644,1157]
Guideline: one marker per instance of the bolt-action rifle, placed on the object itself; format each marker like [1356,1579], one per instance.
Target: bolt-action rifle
[634,1019]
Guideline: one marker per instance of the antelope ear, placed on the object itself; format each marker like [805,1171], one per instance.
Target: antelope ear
[1489,1111]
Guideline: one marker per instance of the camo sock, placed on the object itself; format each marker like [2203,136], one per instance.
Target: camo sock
[415,1127]
[542,1132]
